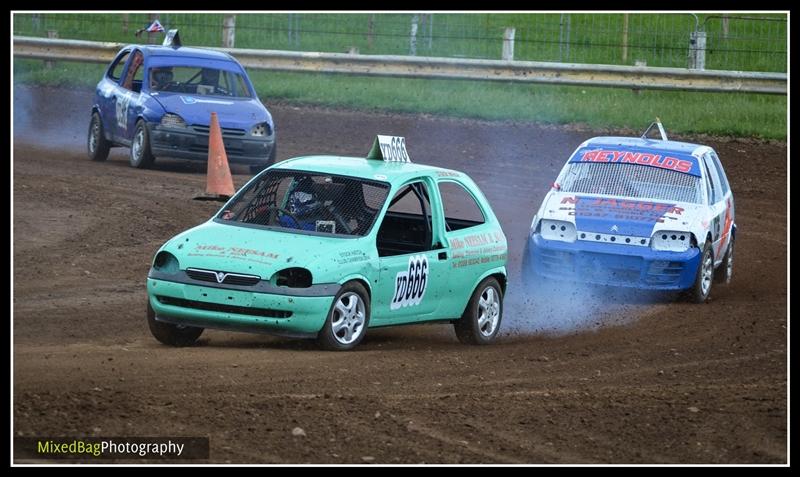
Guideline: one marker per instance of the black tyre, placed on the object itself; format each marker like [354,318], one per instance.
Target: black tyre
[348,319]
[169,334]
[96,142]
[725,271]
[481,319]
[703,278]
[141,157]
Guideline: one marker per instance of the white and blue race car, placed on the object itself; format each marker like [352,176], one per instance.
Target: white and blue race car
[637,212]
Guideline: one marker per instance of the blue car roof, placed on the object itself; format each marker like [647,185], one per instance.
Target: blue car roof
[182,52]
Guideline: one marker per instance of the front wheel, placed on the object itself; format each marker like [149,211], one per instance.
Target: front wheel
[141,157]
[96,142]
[169,334]
[347,319]
[481,319]
[704,277]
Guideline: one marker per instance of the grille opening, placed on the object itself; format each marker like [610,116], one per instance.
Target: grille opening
[240,310]
[225,131]
[230,278]
[294,277]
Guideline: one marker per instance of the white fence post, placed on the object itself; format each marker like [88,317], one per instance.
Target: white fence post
[625,38]
[228,31]
[413,40]
[697,50]
[508,44]
[50,34]
[370,31]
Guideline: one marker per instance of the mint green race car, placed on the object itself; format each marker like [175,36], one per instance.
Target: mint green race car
[326,247]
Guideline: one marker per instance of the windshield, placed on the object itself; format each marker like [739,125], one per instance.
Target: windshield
[197,80]
[309,202]
[630,180]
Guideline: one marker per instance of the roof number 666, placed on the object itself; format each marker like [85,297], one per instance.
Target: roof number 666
[393,148]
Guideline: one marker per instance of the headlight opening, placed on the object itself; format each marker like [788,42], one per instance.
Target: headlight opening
[558,230]
[261,129]
[672,241]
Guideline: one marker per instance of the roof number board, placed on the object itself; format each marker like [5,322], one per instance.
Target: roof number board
[389,149]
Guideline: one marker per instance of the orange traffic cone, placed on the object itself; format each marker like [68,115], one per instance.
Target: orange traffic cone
[219,183]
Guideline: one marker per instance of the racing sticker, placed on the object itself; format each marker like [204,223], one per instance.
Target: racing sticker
[674,161]
[191,100]
[410,285]
[123,101]
[644,158]
[630,217]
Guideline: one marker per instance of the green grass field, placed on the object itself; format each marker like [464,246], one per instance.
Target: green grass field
[754,42]
[658,39]
[727,114]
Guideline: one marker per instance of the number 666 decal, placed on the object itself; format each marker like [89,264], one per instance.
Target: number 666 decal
[410,285]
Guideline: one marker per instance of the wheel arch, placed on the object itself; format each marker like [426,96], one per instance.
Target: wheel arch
[96,109]
[361,280]
[498,273]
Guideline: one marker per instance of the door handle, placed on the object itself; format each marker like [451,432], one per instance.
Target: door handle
[442,255]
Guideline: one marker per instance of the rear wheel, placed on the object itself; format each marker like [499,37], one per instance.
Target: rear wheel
[169,334]
[96,142]
[481,319]
[725,271]
[347,320]
[141,157]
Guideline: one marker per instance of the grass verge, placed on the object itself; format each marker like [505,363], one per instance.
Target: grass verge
[720,114]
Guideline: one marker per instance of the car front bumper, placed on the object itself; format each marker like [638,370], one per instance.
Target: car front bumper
[610,264]
[192,143]
[300,316]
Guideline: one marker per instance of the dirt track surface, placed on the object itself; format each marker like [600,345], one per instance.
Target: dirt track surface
[631,382]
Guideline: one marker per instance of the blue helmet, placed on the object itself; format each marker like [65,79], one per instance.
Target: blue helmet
[303,201]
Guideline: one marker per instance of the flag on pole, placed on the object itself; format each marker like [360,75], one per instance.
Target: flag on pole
[155,27]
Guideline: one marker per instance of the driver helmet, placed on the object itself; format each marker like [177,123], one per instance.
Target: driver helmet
[209,76]
[161,76]
[302,201]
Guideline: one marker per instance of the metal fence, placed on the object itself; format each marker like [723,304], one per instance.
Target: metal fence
[717,41]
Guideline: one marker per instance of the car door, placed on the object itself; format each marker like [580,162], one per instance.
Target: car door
[723,207]
[472,242]
[412,257]
[718,207]
[127,96]
[107,92]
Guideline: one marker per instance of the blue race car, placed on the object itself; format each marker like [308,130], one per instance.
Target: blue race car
[158,101]
[637,212]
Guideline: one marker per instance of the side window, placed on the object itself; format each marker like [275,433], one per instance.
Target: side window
[723,178]
[407,227]
[716,194]
[119,64]
[133,77]
[460,209]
